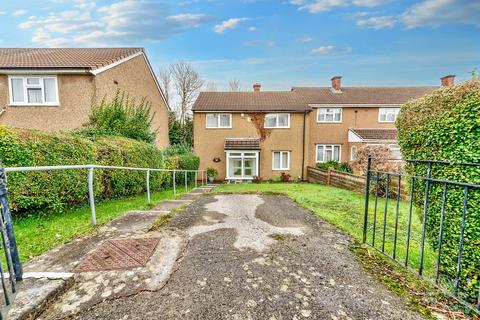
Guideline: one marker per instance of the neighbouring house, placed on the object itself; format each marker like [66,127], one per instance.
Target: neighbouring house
[54,88]
[265,133]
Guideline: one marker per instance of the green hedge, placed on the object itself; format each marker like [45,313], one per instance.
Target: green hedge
[446,126]
[47,191]
[185,161]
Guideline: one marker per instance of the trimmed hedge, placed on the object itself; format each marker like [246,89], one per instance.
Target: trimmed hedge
[445,125]
[48,191]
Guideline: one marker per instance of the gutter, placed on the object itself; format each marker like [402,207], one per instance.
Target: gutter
[31,71]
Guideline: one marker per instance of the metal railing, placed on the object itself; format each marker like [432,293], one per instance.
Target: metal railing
[376,227]
[9,245]
[200,175]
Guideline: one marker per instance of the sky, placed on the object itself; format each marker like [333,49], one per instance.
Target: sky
[278,43]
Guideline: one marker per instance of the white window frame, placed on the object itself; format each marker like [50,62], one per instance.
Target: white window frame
[351,153]
[25,93]
[242,157]
[331,108]
[282,167]
[276,126]
[324,147]
[218,120]
[385,109]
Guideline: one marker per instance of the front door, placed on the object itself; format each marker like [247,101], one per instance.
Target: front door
[242,165]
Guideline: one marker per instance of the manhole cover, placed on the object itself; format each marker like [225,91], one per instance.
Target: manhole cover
[119,254]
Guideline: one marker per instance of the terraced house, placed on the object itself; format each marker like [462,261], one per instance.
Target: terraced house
[265,133]
[54,88]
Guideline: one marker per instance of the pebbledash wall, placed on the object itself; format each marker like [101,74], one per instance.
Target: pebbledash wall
[337,133]
[209,143]
[77,92]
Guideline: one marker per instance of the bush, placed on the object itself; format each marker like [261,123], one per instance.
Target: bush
[179,133]
[176,149]
[257,179]
[187,161]
[120,117]
[445,125]
[55,191]
[285,177]
[343,167]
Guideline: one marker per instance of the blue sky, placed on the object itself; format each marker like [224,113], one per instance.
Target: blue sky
[280,43]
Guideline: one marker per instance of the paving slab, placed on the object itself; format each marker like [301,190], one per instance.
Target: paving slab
[171,205]
[241,257]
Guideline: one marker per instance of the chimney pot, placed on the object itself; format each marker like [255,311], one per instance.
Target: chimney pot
[337,83]
[448,80]
[256,87]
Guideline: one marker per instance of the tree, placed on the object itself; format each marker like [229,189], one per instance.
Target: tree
[234,85]
[180,134]
[187,83]
[165,81]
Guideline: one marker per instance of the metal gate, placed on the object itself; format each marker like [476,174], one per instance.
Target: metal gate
[409,227]
[13,271]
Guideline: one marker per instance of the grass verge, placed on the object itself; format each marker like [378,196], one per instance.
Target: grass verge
[36,235]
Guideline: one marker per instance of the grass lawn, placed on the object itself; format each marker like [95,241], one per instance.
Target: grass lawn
[36,235]
[345,209]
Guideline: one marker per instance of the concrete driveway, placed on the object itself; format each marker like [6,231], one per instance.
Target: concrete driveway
[252,257]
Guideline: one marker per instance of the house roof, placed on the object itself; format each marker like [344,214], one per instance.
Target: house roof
[375,134]
[362,95]
[242,144]
[250,101]
[66,58]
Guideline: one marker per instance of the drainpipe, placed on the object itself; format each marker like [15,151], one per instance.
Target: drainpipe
[303,144]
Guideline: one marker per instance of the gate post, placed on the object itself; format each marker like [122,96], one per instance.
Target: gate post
[91,195]
[367,198]
[148,186]
[7,218]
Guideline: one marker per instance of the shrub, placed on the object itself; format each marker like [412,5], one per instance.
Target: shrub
[212,172]
[257,179]
[187,161]
[120,117]
[445,125]
[180,133]
[176,149]
[55,191]
[344,166]
[285,177]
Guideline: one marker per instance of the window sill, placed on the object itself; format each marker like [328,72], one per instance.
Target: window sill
[281,169]
[217,128]
[330,122]
[276,127]
[34,105]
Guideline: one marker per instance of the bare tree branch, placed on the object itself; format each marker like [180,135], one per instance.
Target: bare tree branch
[187,82]
[165,80]
[234,85]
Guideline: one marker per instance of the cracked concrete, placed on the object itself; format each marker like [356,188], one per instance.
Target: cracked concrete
[242,257]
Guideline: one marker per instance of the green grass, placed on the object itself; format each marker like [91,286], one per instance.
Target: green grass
[36,235]
[345,209]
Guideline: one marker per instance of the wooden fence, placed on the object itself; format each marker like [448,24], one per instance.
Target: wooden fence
[337,179]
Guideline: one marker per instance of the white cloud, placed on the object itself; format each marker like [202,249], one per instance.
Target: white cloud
[252,29]
[438,12]
[228,24]
[19,12]
[85,4]
[305,39]
[330,49]
[2,13]
[318,6]
[259,43]
[378,22]
[126,22]
[368,3]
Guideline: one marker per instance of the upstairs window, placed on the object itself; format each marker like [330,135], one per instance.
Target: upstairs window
[329,115]
[33,90]
[277,120]
[219,120]
[388,114]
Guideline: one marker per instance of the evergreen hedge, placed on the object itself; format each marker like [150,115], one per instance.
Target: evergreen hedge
[48,191]
[445,125]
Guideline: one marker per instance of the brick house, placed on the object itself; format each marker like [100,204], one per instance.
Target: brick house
[259,133]
[54,89]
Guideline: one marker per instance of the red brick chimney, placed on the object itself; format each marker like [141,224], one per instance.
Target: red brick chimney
[337,83]
[256,87]
[448,81]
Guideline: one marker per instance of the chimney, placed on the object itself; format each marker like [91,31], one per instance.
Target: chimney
[337,83]
[448,81]
[256,87]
